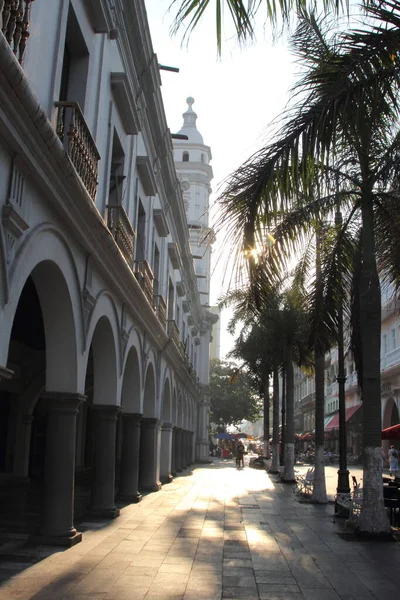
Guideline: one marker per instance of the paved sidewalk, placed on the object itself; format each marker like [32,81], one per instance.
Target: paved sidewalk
[212,533]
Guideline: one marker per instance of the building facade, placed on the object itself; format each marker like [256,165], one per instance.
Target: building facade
[390,387]
[103,392]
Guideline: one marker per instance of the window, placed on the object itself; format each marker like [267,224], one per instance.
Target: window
[156,270]
[393,339]
[75,64]
[171,298]
[202,158]
[185,157]
[384,344]
[117,177]
[141,227]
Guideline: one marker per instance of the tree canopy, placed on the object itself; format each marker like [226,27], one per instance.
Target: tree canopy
[234,397]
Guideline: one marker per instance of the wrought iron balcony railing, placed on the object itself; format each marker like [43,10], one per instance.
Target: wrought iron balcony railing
[173,332]
[160,307]
[122,230]
[14,23]
[78,142]
[145,277]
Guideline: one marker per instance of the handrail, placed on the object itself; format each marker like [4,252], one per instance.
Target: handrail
[79,144]
[122,230]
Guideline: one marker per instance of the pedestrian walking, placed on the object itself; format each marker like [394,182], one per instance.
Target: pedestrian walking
[240,455]
[393,462]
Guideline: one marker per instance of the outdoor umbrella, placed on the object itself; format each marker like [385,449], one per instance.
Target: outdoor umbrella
[241,435]
[225,436]
[391,433]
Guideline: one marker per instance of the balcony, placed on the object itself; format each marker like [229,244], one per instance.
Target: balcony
[79,144]
[391,359]
[389,308]
[160,307]
[14,23]
[122,230]
[145,277]
[173,332]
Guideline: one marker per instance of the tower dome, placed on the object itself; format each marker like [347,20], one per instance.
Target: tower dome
[189,124]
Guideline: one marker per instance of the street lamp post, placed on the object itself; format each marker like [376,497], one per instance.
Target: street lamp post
[343,486]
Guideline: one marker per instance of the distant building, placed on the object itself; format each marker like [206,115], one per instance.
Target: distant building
[390,386]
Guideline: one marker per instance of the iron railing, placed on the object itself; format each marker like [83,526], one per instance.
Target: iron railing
[122,230]
[14,23]
[145,277]
[79,144]
[160,307]
[173,332]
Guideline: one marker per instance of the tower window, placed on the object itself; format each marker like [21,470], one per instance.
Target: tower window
[185,157]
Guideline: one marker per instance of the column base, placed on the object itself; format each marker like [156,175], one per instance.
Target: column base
[106,513]
[166,478]
[152,488]
[54,540]
[133,498]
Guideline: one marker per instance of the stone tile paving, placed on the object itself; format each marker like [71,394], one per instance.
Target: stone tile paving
[212,534]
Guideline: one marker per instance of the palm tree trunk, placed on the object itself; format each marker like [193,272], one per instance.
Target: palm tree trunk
[266,415]
[319,487]
[288,471]
[275,423]
[373,518]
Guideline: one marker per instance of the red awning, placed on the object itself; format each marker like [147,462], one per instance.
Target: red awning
[334,424]
[391,433]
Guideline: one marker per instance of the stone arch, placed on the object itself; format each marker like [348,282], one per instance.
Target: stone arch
[180,413]
[149,396]
[105,372]
[390,413]
[131,401]
[57,285]
[174,407]
[166,413]
[103,332]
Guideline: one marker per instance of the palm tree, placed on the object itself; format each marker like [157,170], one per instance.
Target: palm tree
[243,15]
[347,114]
[273,338]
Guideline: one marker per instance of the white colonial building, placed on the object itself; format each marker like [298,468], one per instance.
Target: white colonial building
[390,387]
[104,336]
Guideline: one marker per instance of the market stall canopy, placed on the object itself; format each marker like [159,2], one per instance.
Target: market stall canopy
[225,436]
[334,424]
[391,433]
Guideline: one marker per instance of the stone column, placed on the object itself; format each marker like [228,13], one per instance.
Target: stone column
[59,475]
[149,456]
[178,450]
[185,449]
[23,444]
[103,485]
[173,465]
[129,475]
[166,453]
[191,449]
[203,447]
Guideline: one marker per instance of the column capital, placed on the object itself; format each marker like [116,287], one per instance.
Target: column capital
[106,412]
[151,422]
[167,426]
[62,402]
[133,417]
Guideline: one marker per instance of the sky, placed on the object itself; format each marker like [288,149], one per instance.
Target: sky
[236,97]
